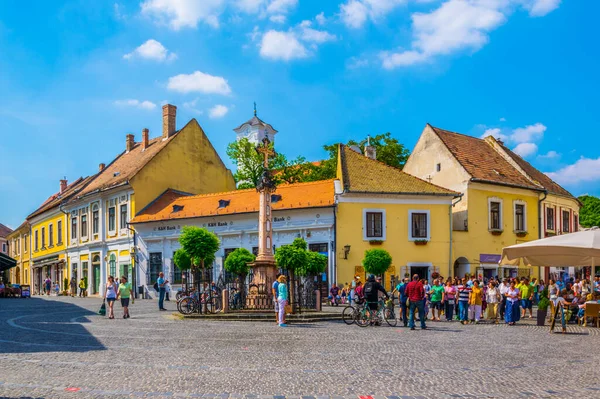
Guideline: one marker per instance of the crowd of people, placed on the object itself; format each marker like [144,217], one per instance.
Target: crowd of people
[470,300]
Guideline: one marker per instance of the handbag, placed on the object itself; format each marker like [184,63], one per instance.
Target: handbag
[288,309]
[155,286]
[102,311]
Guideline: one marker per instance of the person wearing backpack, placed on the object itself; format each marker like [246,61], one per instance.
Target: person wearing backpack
[371,292]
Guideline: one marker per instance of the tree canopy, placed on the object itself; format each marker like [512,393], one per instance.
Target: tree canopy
[377,261]
[199,244]
[238,262]
[589,215]
[291,257]
[182,259]
[249,163]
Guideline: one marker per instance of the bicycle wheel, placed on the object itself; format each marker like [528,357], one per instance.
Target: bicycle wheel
[187,305]
[213,305]
[363,318]
[349,315]
[390,317]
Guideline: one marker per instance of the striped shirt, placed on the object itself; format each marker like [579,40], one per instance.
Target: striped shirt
[463,293]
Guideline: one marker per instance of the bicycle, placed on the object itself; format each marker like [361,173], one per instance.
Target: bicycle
[197,302]
[350,313]
[385,312]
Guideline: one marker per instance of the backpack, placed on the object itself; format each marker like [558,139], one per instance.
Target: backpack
[368,289]
[156,286]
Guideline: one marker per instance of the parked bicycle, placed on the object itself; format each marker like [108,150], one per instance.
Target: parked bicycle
[385,312]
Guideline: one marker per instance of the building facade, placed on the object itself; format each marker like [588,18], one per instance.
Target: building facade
[378,206]
[502,198]
[20,251]
[100,240]
[299,210]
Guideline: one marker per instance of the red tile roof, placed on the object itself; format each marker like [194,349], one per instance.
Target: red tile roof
[56,199]
[4,231]
[293,196]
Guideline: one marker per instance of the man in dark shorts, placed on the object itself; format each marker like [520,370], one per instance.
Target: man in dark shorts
[124,293]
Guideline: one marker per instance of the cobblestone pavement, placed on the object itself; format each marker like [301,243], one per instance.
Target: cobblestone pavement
[59,348]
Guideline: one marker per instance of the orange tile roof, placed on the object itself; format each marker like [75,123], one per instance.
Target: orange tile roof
[365,175]
[482,161]
[126,165]
[293,196]
[5,231]
[56,199]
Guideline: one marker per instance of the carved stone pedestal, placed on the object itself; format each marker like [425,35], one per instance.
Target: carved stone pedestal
[259,294]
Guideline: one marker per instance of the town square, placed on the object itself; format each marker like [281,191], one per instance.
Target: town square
[272,199]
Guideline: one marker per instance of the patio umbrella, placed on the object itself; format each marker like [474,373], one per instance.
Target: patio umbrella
[574,249]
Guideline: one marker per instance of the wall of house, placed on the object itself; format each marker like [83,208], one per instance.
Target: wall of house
[350,228]
[49,218]
[188,163]
[478,240]
[19,252]
[559,204]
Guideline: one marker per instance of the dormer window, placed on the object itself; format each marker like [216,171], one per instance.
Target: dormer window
[275,198]
[177,208]
[116,174]
[224,203]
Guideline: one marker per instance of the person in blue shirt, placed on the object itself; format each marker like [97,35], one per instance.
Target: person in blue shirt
[162,289]
[401,289]
[282,298]
[275,293]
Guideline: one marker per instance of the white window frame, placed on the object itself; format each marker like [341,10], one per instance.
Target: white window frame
[123,229]
[410,213]
[84,212]
[383,224]
[501,217]
[515,203]
[114,230]
[95,208]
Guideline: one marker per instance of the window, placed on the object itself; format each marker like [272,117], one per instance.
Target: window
[418,223]
[84,230]
[566,218]
[549,218]
[520,217]
[4,247]
[51,235]
[73,228]
[124,220]
[25,248]
[438,167]
[226,252]
[318,247]
[374,224]
[177,272]
[575,223]
[43,237]
[495,216]
[113,265]
[111,219]
[155,266]
[255,251]
[35,240]
[95,220]
[59,232]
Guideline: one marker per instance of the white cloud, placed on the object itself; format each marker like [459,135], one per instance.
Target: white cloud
[354,13]
[316,36]
[539,8]
[528,133]
[502,119]
[147,105]
[218,111]
[249,6]
[496,133]
[278,19]
[284,46]
[321,18]
[179,14]
[584,170]
[525,149]
[394,60]
[151,50]
[199,82]
[549,155]
[357,62]
[281,6]
[118,12]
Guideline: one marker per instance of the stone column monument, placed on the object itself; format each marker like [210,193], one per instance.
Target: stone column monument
[259,296]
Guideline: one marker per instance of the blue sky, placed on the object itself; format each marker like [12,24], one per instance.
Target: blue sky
[77,76]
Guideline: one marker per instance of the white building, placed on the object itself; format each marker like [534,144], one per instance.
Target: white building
[299,210]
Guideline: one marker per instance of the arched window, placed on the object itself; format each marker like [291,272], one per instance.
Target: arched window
[113,265]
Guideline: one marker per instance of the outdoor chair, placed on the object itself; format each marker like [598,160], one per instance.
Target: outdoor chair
[592,310]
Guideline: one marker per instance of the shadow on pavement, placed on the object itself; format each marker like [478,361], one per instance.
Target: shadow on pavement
[45,325]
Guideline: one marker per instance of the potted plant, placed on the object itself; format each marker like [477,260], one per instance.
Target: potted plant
[421,242]
[66,287]
[521,233]
[542,310]
[375,242]
[496,232]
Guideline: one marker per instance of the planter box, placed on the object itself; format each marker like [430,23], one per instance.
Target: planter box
[420,242]
[541,317]
[496,232]
[521,233]
[376,242]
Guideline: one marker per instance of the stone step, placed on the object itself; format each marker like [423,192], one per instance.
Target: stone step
[308,317]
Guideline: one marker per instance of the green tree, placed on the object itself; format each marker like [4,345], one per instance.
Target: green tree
[238,262]
[589,214]
[377,261]
[317,263]
[182,260]
[291,258]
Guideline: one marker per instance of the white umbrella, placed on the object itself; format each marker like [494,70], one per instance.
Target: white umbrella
[573,249]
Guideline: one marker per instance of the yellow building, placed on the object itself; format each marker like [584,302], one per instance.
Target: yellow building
[100,240]
[502,197]
[20,251]
[379,206]
[48,237]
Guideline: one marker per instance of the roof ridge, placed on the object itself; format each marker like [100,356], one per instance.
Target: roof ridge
[457,133]
[399,170]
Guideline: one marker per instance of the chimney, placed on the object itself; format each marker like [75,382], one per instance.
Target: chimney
[101,167]
[370,151]
[145,133]
[169,114]
[63,185]
[130,142]
[500,141]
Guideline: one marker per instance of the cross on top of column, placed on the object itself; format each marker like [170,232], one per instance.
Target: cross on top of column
[266,151]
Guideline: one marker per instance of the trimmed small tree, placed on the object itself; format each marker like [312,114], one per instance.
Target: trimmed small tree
[238,262]
[293,258]
[317,263]
[377,261]
[183,262]
[200,245]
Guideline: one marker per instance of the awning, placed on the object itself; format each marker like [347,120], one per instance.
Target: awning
[6,262]
[46,261]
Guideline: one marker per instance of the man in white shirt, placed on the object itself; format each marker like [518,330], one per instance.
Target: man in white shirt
[503,287]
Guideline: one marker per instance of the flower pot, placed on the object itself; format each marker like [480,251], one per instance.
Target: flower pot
[420,242]
[541,317]
[376,242]
[521,234]
[496,232]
